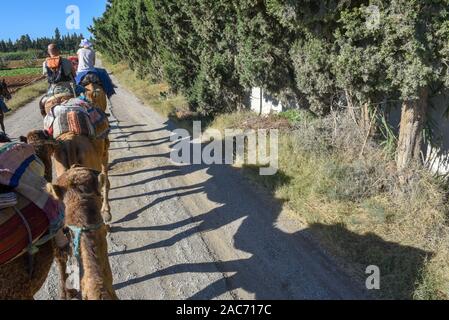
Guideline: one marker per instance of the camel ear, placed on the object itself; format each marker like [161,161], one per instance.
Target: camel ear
[56,191]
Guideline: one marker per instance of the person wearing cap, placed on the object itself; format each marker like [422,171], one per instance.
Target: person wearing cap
[86,57]
[86,65]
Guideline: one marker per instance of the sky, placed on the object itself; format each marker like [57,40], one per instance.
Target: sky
[40,18]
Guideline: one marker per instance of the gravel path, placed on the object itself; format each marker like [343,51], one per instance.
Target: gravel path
[195,232]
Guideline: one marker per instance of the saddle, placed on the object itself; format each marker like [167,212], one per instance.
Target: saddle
[57,94]
[79,117]
[28,215]
[21,227]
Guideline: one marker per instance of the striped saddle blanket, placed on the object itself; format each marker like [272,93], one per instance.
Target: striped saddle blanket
[26,209]
[79,117]
[14,235]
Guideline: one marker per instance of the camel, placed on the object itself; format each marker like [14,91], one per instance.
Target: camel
[4,93]
[56,249]
[80,190]
[97,96]
[94,91]
[71,149]
[15,281]
[44,147]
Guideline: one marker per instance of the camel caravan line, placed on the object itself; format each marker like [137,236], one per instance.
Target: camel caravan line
[62,219]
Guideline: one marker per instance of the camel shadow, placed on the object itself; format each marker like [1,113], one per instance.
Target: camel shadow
[273,263]
[400,266]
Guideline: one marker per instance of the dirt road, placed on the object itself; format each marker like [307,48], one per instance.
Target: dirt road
[195,232]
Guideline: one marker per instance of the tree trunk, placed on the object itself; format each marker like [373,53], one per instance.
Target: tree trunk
[350,106]
[413,118]
[366,119]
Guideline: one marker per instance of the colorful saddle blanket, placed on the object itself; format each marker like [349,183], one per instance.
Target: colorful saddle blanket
[14,235]
[23,189]
[77,116]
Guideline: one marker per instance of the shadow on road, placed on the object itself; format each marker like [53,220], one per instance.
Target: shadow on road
[280,265]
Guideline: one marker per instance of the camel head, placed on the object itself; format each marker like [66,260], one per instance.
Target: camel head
[44,146]
[37,137]
[79,189]
[42,142]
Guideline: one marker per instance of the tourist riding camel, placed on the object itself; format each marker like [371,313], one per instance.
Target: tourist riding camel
[61,79]
[86,57]
[58,69]
[96,81]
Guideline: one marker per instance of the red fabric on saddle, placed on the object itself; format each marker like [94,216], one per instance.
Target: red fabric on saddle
[14,235]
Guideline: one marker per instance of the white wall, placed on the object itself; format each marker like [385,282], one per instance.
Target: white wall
[265,105]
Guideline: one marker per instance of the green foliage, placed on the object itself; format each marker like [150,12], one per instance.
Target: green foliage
[213,52]
[311,59]
[36,48]
[263,58]
[297,115]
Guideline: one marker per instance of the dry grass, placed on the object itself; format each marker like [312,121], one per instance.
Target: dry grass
[356,205]
[27,94]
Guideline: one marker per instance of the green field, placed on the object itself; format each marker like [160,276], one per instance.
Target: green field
[20,72]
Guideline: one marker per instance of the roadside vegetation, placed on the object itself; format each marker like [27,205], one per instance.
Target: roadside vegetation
[358,183]
[21,55]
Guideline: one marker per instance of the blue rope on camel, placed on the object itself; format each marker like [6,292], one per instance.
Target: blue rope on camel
[77,233]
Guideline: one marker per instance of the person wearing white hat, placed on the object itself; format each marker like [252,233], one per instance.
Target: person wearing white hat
[86,56]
